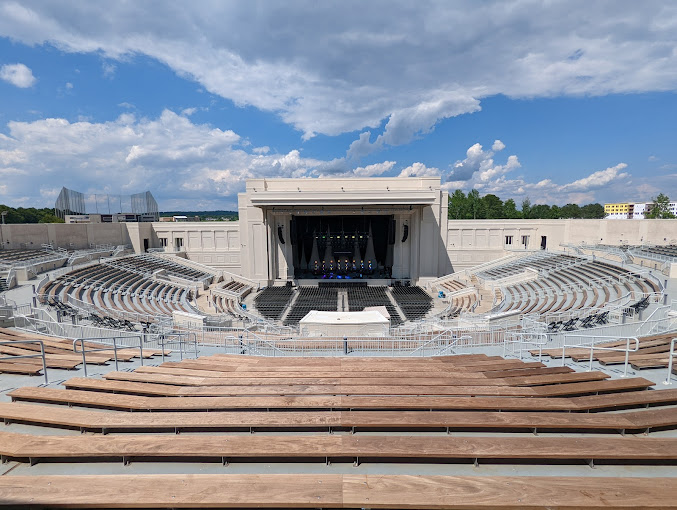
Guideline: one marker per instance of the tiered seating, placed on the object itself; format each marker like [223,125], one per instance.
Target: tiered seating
[510,412]
[361,297]
[669,250]
[312,298]
[541,260]
[116,289]
[271,302]
[150,263]
[16,257]
[414,302]
[585,286]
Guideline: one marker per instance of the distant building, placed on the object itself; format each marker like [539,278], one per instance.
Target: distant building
[75,207]
[180,218]
[109,218]
[629,211]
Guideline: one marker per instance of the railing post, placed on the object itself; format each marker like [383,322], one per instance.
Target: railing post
[672,353]
[115,353]
[627,357]
[44,361]
[84,357]
[141,349]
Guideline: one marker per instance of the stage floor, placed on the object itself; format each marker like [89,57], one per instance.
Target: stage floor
[313,282]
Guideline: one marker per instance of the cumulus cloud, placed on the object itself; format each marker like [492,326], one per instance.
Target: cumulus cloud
[497,146]
[184,164]
[480,171]
[419,170]
[410,65]
[18,75]
[598,179]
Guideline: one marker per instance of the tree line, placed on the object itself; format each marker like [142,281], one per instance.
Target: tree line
[473,206]
[28,215]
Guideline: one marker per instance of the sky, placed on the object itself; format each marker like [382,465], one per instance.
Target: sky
[558,101]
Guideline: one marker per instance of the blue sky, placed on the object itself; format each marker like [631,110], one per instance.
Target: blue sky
[558,101]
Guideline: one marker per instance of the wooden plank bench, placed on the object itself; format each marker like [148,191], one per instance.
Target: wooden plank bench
[153,389]
[332,491]
[349,447]
[408,376]
[11,367]
[459,380]
[137,388]
[364,420]
[136,402]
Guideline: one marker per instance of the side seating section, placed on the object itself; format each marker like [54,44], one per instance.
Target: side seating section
[133,296]
[570,286]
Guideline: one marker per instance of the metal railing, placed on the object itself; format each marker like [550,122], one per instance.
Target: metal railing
[519,340]
[668,380]
[593,346]
[84,349]
[25,356]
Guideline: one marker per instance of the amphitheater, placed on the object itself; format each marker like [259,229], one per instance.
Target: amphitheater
[343,345]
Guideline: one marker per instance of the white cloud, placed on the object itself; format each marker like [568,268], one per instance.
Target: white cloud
[480,171]
[598,179]
[108,69]
[185,165]
[374,170]
[18,75]
[497,146]
[362,146]
[419,170]
[410,65]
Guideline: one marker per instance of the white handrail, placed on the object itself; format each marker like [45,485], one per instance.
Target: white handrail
[667,381]
[592,347]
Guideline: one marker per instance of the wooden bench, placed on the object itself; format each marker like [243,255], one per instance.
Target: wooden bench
[136,402]
[365,420]
[337,447]
[150,389]
[459,380]
[338,491]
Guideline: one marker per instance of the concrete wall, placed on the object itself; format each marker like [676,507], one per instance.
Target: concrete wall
[63,235]
[215,243]
[472,242]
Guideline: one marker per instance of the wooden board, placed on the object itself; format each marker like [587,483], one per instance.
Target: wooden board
[381,420]
[338,446]
[136,402]
[339,491]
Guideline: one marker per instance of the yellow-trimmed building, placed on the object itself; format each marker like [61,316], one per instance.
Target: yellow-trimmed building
[618,210]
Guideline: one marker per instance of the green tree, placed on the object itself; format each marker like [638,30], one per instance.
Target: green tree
[475,209]
[660,209]
[457,205]
[510,209]
[571,211]
[493,206]
[29,215]
[592,211]
[540,211]
[526,208]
